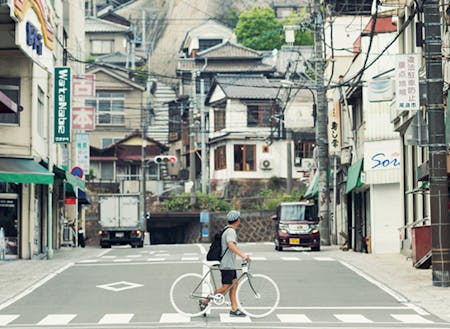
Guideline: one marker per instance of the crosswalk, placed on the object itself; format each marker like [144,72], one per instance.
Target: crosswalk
[293,318]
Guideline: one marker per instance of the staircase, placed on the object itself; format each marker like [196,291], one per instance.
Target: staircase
[159,124]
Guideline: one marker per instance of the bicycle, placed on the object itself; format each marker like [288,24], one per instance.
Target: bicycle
[257,294]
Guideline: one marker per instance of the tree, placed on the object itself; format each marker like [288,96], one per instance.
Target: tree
[259,29]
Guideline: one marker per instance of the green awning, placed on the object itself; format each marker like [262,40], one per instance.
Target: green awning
[313,189]
[354,176]
[14,170]
[75,181]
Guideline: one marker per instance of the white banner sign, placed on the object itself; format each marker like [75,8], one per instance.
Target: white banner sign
[407,82]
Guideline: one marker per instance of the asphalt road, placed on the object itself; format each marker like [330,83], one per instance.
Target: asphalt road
[129,288]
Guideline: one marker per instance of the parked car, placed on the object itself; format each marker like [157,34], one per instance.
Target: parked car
[297,225]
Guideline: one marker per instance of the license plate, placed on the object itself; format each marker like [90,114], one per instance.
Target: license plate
[294,241]
[119,234]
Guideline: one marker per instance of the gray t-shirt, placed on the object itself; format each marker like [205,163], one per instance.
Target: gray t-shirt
[229,258]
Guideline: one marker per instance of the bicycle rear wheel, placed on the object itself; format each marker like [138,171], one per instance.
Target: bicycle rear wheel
[185,297]
[258,295]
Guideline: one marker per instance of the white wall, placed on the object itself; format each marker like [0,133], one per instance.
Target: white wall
[386,218]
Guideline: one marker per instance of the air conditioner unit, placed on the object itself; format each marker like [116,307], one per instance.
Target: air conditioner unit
[266,164]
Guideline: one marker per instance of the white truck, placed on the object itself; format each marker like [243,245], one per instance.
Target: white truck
[119,220]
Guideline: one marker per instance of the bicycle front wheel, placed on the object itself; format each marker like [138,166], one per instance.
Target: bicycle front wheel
[257,295]
[186,293]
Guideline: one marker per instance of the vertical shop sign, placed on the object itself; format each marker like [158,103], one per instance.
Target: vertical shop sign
[62,104]
[334,128]
[82,157]
[407,82]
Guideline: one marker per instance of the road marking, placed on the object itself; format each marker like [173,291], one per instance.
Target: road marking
[416,308]
[352,318]
[56,319]
[116,318]
[189,258]
[174,318]
[156,259]
[411,318]
[122,260]
[190,254]
[88,261]
[226,318]
[258,258]
[290,258]
[293,318]
[134,256]
[34,287]
[268,243]
[108,257]
[5,319]
[324,259]
[383,287]
[119,286]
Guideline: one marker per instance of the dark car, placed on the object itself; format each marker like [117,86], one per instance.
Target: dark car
[297,225]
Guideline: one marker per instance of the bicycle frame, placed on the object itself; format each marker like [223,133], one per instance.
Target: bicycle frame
[214,284]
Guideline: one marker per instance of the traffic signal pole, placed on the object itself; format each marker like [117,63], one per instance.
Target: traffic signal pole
[437,149]
[321,127]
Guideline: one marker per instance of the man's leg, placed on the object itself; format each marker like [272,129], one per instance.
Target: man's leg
[233,296]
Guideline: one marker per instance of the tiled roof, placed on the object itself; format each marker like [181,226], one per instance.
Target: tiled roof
[223,66]
[247,86]
[92,24]
[229,50]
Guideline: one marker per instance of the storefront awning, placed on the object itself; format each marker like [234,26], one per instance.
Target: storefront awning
[354,176]
[313,189]
[84,197]
[14,170]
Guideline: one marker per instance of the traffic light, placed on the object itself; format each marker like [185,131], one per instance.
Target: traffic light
[165,159]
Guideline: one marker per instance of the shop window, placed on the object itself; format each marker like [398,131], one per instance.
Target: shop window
[41,112]
[9,100]
[244,157]
[220,159]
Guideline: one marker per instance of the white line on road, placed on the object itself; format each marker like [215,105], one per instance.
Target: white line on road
[324,259]
[290,258]
[183,259]
[34,286]
[293,318]
[383,287]
[225,317]
[56,319]
[156,259]
[416,308]
[174,318]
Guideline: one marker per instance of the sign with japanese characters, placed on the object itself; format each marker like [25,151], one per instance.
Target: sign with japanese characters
[83,118]
[62,104]
[334,128]
[83,85]
[82,151]
[407,82]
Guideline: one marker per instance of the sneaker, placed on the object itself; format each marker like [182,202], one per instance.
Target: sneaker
[238,312]
[202,306]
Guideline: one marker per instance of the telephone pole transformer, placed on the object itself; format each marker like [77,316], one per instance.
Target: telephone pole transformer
[321,127]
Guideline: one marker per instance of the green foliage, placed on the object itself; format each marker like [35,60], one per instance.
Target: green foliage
[181,202]
[259,29]
[232,18]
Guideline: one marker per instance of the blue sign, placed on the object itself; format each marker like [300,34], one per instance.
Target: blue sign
[34,38]
[204,217]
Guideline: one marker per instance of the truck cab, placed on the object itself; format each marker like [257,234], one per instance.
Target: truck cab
[296,225]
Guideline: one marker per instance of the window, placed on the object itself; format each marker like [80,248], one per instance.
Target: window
[208,43]
[260,115]
[101,47]
[109,141]
[220,158]
[219,119]
[107,170]
[109,108]
[244,157]
[40,113]
[304,150]
[9,100]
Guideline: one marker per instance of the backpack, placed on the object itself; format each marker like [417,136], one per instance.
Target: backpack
[215,249]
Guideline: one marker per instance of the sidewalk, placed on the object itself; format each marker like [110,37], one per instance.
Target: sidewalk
[394,271]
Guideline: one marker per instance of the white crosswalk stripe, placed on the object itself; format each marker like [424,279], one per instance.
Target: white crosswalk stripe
[174,318]
[116,318]
[352,318]
[56,319]
[226,318]
[7,318]
[411,318]
[293,318]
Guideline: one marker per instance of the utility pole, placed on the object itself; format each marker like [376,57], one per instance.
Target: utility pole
[203,135]
[192,168]
[321,127]
[437,149]
[289,161]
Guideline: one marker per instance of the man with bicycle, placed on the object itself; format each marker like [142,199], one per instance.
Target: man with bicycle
[228,263]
